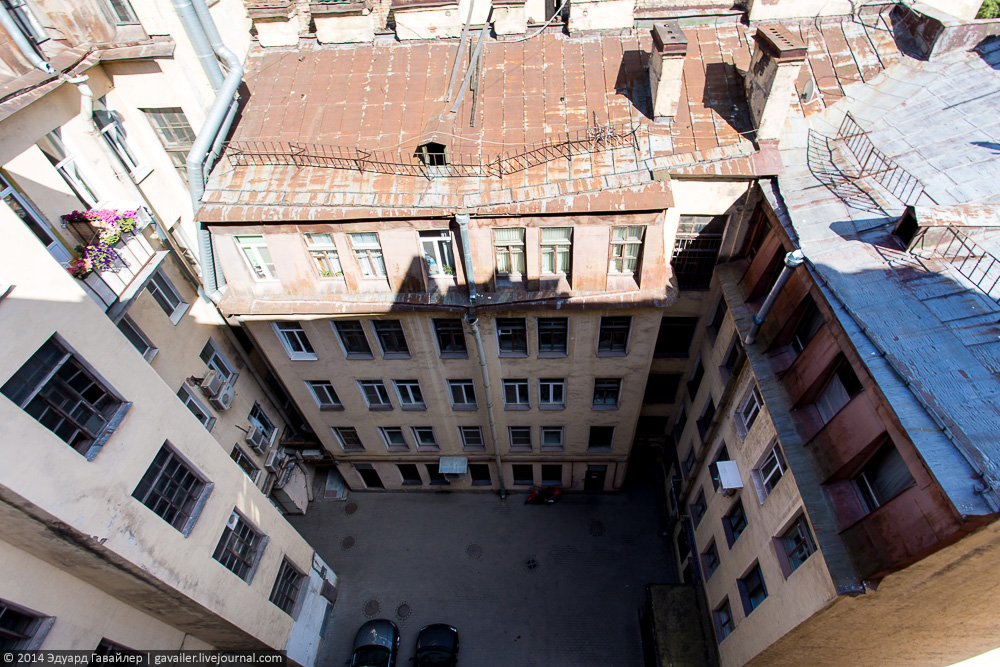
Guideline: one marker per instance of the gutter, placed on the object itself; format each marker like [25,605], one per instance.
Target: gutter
[23,45]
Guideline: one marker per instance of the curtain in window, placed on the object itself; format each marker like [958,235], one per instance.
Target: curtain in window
[510,249]
[833,398]
[556,249]
[891,475]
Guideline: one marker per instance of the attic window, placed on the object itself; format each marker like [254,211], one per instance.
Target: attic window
[432,154]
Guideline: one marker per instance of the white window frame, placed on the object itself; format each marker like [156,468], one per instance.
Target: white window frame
[369,254]
[340,438]
[389,445]
[510,252]
[752,400]
[324,394]
[408,399]
[261,420]
[441,256]
[284,331]
[556,250]
[466,387]
[34,220]
[523,401]
[530,447]
[561,430]
[114,134]
[626,250]
[189,399]
[546,390]
[238,455]
[464,431]
[166,288]
[788,541]
[150,350]
[378,386]
[324,253]
[217,361]
[769,471]
[124,5]
[256,254]
[422,444]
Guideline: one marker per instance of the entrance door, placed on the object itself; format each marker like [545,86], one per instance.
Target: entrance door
[594,480]
[35,222]
[369,475]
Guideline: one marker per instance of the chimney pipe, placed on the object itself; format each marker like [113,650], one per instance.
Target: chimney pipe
[666,68]
[770,81]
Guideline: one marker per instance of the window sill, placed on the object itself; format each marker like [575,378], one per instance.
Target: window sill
[178,313]
[552,406]
[140,174]
[481,448]
[454,355]
[331,408]
[395,355]
[359,355]
[513,355]
[413,408]
[302,357]
[521,450]
[413,483]
[428,448]
[379,408]
[516,407]
[465,407]
[552,449]
[603,448]
[398,449]
[552,355]
[612,353]
[604,407]
[441,482]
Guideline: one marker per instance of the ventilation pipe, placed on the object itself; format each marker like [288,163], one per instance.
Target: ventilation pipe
[792,260]
[23,45]
[472,319]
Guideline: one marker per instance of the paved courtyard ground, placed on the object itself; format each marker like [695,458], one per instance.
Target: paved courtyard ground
[526,585]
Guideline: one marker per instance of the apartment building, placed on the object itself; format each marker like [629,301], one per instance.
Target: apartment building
[130,387]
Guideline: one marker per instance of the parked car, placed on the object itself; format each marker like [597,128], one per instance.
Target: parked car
[437,646]
[376,644]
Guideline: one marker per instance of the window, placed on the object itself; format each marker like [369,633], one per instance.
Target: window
[698,508]
[196,407]
[679,423]
[710,560]
[661,388]
[509,245]
[389,334]
[472,438]
[122,11]
[705,421]
[480,474]
[352,338]
[424,437]
[519,438]
[163,291]
[523,474]
[732,359]
[245,463]
[696,249]
[348,438]
[410,396]
[626,249]
[434,474]
[797,544]
[409,474]
[438,257]
[257,256]
[552,474]
[54,387]
[883,478]
[33,220]
[752,589]
[64,161]
[287,587]
[324,255]
[767,474]
[324,395]
[688,463]
[515,395]
[114,134]
[552,394]
[718,317]
[748,410]
[557,246]
[694,382]
[175,133]
[432,154]
[601,438]
[395,441]
[259,418]
[293,338]
[552,336]
[613,337]
[375,394]
[216,361]
[172,489]
[842,387]
[721,455]
[106,648]
[674,338]
[723,617]
[240,547]
[809,324]
[463,394]
[20,628]
[137,338]
[552,438]
[512,336]
[450,338]
[606,391]
[26,20]
[735,522]
[369,253]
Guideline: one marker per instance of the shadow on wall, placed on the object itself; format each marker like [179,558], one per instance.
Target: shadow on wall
[724,95]
[633,81]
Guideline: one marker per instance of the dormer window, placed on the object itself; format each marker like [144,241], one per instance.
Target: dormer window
[432,154]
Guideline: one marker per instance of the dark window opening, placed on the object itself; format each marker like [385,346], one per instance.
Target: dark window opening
[809,324]
[661,388]
[674,338]
[883,478]
[432,154]
[696,249]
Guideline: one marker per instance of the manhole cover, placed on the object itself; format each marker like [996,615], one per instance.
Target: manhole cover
[596,528]
[350,508]
[473,551]
[403,610]
[529,563]
[371,608]
[348,542]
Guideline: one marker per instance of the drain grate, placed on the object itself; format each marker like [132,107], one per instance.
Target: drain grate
[403,610]
[348,542]
[474,551]
[530,563]
[350,508]
[596,528]
[371,608]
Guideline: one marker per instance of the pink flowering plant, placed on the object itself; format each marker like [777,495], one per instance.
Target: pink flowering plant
[99,254]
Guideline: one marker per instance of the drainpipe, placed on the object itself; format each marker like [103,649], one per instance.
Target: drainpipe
[23,45]
[792,260]
[473,321]
[199,40]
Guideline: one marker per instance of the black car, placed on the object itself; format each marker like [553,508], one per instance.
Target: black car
[437,646]
[376,644]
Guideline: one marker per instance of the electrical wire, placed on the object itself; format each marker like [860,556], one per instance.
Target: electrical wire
[540,30]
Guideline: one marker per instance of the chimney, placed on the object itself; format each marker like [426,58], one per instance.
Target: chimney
[770,82]
[666,68]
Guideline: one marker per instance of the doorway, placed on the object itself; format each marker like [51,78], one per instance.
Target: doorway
[594,481]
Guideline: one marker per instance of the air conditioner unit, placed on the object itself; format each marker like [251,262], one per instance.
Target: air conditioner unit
[256,437]
[274,461]
[311,455]
[273,438]
[729,477]
[224,399]
[212,383]
[234,518]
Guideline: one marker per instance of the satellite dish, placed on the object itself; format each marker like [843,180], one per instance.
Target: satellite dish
[808,91]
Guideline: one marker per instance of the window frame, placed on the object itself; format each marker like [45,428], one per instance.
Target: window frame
[114,134]
[752,399]
[403,446]
[468,446]
[465,385]
[708,567]
[561,430]
[546,387]
[447,335]
[610,339]
[378,386]
[765,482]
[346,436]
[512,250]
[300,577]
[867,491]
[167,289]
[324,254]
[409,480]
[292,334]
[240,457]
[698,507]
[787,544]
[601,448]
[171,127]
[669,324]
[734,532]
[33,635]
[437,239]
[549,467]
[605,388]
[623,245]
[515,331]
[189,399]
[722,617]
[517,384]
[422,444]
[369,254]
[194,502]
[517,443]
[351,335]
[549,333]
[333,400]
[224,548]
[756,579]
[217,361]
[517,469]
[391,339]
[151,350]
[557,248]
[257,255]
[413,396]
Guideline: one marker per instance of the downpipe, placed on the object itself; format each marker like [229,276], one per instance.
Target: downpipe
[23,45]
[792,260]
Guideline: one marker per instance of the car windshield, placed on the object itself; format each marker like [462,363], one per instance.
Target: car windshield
[371,656]
[433,656]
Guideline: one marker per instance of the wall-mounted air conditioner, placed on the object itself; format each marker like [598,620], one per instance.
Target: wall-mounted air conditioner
[224,399]
[212,383]
[274,461]
[257,437]
[729,477]
[311,455]
[234,518]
